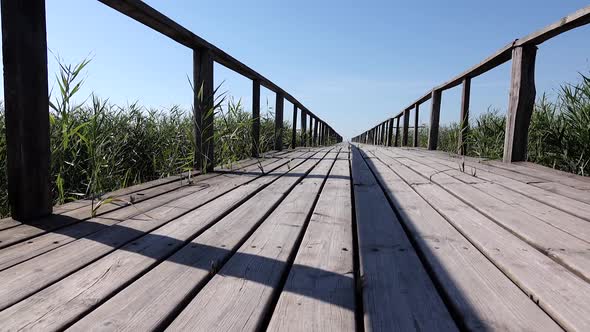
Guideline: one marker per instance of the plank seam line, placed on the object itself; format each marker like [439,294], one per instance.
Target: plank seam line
[455,315]
[276,292]
[173,314]
[495,220]
[131,240]
[530,296]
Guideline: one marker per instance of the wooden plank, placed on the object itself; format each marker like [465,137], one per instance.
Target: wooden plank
[574,226]
[238,297]
[564,296]
[521,103]
[554,171]
[434,120]
[564,248]
[579,18]
[392,275]
[319,294]
[75,295]
[26,106]
[45,269]
[465,95]
[480,295]
[573,207]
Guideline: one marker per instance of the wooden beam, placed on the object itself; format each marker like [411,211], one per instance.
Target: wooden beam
[464,116]
[390,132]
[434,119]
[303,128]
[396,131]
[521,103]
[279,103]
[256,150]
[26,103]
[416,124]
[406,127]
[315,132]
[294,134]
[203,111]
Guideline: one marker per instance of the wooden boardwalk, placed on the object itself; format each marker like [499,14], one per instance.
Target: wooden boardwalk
[335,238]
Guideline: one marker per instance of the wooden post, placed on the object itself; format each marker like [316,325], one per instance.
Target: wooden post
[294,134]
[416,129]
[390,132]
[279,103]
[256,150]
[303,128]
[406,126]
[397,131]
[26,103]
[521,103]
[315,132]
[383,136]
[434,120]
[203,111]
[464,116]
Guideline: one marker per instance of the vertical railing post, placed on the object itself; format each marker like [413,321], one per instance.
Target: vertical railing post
[279,102]
[434,120]
[383,136]
[397,131]
[303,128]
[294,134]
[315,132]
[416,129]
[521,103]
[464,116]
[390,132]
[256,150]
[26,105]
[203,110]
[406,127]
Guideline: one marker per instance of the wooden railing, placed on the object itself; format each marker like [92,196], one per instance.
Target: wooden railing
[522,52]
[27,106]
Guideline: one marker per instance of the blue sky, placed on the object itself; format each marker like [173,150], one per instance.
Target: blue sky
[353,63]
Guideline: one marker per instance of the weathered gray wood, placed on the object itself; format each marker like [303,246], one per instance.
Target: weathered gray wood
[42,270]
[203,109]
[392,275]
[481,296]
[294,134]
[521,103]
[396,132]
[319,294]
[406,127]
[303,128]
[416,126]
[57,306]
[238,297]
[26,105]
[564,248]
[278,135]
[255,118]
[466,92]
[434,119]
[549,170]
[390,132]
[315,132]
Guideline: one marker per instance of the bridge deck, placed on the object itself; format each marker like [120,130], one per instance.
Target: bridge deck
[331,238]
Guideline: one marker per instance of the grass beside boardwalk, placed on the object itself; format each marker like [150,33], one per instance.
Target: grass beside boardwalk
[99,147]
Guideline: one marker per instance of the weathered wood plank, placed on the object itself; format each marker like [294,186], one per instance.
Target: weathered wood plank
[434,119]
[521,103]
[464,119]
[42,270]
[319,294]
[203,101]
[392,275]
[73,296]
[564,248]
[481,296]
[238,297]
[416,126]
[255,118]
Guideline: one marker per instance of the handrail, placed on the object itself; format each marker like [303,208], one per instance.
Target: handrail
[522,94]
[27,104]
